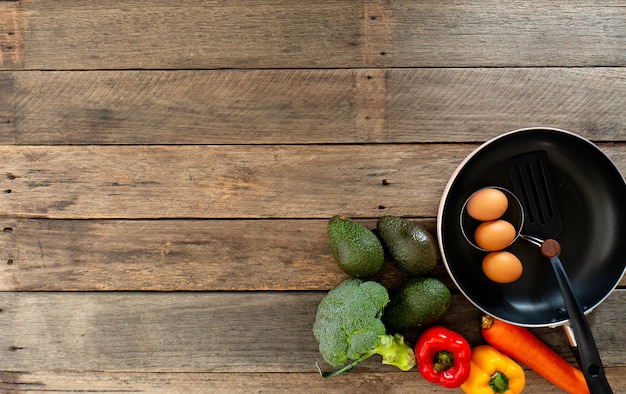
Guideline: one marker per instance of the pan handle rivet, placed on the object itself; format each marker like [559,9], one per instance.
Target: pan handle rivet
[550,248]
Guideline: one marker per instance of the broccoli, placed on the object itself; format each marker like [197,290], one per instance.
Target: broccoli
[348,326]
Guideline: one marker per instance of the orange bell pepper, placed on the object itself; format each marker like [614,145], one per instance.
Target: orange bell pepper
[493,372]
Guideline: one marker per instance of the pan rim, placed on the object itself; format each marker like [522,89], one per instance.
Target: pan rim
[445,199]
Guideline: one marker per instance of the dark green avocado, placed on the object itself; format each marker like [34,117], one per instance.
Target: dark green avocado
[357,251]
[412,248]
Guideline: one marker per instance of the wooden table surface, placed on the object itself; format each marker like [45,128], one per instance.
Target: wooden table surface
[168,169]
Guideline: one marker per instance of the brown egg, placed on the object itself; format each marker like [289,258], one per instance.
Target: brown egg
[487,204]
[494,235]
[502,267]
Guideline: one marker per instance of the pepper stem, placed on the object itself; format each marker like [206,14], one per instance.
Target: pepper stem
[443,361]
[499,383]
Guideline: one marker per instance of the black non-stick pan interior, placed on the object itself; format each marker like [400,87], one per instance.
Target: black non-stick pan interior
[591,194]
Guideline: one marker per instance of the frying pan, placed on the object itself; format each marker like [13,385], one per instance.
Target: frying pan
[591,196]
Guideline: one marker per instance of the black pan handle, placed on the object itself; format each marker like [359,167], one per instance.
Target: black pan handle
[590,360]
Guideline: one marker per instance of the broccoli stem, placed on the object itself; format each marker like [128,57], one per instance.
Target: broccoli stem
[394,350]
[347,367]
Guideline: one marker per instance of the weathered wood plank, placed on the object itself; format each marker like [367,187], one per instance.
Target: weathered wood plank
[246,332]
[307,106]
[12,28]
[243,181]
[225,181]
[293,34]
[478,104]
[175,255]
[514,34]
[246,383]
[188,34]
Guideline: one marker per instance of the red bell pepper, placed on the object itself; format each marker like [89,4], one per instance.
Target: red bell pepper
[443,357]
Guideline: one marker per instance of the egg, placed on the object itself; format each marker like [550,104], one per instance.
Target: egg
[494,235]
[487,204]
[502,267]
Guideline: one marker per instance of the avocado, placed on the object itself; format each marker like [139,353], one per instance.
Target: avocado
[412,248]
[357,251]
[419,302]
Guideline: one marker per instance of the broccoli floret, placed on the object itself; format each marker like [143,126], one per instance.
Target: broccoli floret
[348,326]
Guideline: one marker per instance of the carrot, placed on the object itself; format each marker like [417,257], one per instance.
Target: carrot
[523,346]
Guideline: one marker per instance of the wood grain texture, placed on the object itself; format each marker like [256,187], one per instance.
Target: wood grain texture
[176,255]
[195,34]
[244,332]
[511,34]
[191,34]
[37,382]
[302,181]
[244,181]
[307,106]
